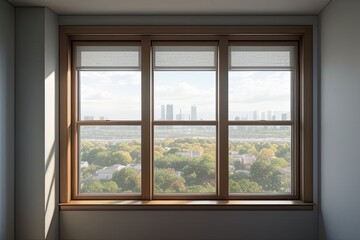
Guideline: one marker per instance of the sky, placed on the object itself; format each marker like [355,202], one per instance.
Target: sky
[116,95]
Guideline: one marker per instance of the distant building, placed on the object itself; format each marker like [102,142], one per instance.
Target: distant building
[101,118]
[179,116]
[248,159]
[274,117]
[269,115]
[193,113]
[107,172]
[194,154]
[245,159]
[255,115]
[88,117]
[84,164]
[162,112]
[169,112]
[284,116]
[136,166]
[237,118]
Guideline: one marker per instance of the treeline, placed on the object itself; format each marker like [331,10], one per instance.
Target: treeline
[176,173]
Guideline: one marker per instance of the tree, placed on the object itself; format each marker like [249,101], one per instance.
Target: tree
[128,179]
[89,171]
[244,186]
[284,151]
[121,157]
[136,155]
[266,154]
[268,174]
[173,150]
[100,187]
[240,174]
[200,172]
[168,181]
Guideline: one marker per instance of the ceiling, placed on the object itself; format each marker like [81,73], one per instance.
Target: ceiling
[179,7]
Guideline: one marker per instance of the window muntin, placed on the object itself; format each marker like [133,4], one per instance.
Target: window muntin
[303,116]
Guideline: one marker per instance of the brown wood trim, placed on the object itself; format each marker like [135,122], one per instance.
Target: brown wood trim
[306,121]
[190,30]
[107,123]
[183,37]
[74,128]
[184,123]
[223,129]
[120,196]
[65,117]
[176,43]
[185,196]
[146,131]
[183,205]
[262,123]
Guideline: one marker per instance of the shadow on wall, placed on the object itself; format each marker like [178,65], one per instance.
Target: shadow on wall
[51,157]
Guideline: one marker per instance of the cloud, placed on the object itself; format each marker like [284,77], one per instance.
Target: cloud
[260,89]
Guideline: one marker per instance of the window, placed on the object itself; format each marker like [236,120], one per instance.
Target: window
[155,114]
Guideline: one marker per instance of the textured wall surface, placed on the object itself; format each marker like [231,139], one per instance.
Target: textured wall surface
[6,120]
[340,114]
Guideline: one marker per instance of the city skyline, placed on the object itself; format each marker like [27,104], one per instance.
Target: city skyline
[117,95]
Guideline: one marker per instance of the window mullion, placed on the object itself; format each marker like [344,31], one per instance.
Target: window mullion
[146,110]
[222,141]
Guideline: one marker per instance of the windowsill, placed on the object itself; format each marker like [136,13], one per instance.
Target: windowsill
[95,205]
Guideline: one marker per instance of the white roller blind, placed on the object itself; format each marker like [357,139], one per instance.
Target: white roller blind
[185,57]
[257,57]
[117,57]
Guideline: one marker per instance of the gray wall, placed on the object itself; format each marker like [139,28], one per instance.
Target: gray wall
[202,224]
[6,120]
[340,114]
[36,123]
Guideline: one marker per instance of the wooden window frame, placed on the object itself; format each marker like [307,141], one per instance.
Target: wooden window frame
[303,117]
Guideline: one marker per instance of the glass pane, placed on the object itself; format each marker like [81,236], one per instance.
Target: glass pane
[184,159]
[108,56]
[260,159]
[173,57]
[262,56]
[260,95]
[110,95]
[185,95]
[109,159]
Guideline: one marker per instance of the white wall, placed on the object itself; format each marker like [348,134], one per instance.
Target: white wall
[340,114]
[6,120]
[36,123]
[195,224]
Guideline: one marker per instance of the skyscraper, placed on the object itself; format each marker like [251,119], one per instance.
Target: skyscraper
[193,113]
[255,115]
[169,112]
[179,116]
[284,116]
[162,112]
